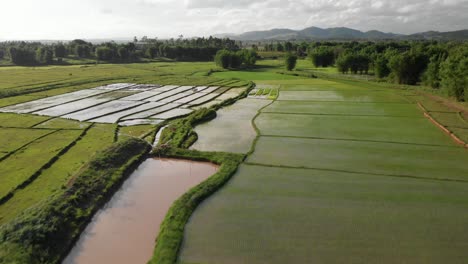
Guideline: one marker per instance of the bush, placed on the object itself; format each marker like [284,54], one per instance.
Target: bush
[223,58]
[290,61]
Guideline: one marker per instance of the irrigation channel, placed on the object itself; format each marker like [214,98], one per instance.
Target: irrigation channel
[124,231]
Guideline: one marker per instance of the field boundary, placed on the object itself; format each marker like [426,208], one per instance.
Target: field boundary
[359,140]
[443,128]
[312,114]
[355,172]
[25,145]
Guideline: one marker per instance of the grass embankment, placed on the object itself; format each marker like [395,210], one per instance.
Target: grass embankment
[45,233]
[175,140]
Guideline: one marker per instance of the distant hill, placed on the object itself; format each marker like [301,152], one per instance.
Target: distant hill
[340,33]
[436,35]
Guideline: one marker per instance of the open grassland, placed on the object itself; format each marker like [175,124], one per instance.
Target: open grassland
[342,172]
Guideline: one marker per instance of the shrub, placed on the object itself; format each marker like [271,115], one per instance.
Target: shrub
[290,61]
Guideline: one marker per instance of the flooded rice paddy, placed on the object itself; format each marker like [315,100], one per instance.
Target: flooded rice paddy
[124,231]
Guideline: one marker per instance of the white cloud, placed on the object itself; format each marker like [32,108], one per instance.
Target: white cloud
[67,19]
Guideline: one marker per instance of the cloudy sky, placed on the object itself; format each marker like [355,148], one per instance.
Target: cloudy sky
[68,19]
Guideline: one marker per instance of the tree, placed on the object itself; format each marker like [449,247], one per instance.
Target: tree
[21,56]
[454,75]
[249,57]
[381,67]
[431,76]
[356,63]
[290,61]
[152,52]
[322,56]
[2,54]
[104,53]
[235,60]
[44,55]
[407,67]
[82,51]
[223,58]
[123,53]
[60,50]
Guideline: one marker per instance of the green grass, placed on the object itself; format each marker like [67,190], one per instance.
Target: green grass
[136,131]
[20,166]
[51,227]
[12,138]
[55,178]
[61,123]
[23,120]
[279,215]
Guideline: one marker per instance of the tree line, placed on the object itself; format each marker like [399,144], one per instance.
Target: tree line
[36,53]
[431,63]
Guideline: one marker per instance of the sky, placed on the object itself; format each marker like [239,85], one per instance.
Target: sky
[97,19]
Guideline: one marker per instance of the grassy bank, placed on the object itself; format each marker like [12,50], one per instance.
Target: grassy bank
[45,233]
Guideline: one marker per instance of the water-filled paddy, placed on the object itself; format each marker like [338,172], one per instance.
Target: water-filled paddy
[231,130]
[124,231]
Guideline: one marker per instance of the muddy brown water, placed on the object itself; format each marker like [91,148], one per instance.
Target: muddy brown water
[124,231]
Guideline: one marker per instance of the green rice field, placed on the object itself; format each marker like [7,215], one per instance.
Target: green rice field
[341,172]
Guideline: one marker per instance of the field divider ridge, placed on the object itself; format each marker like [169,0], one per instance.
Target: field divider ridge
[443,128]
[27,144]
[257,130]
[49,163]
[359,140]
[319,114]
[355,172]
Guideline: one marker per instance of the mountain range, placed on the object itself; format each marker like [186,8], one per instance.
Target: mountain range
[340,33]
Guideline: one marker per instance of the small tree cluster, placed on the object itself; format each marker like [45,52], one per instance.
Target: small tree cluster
[235,59]
[290,61]
[22,56]
[322,56]
[44,55]
[355,63]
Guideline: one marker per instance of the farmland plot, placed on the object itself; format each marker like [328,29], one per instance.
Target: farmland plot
[366,128]
[232,129]
[103,109]
[44,103]
[344,95]
[110,103]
